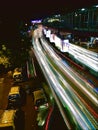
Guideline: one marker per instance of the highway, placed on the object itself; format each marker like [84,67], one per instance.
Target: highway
[81,55]
[67,87]
[74,96]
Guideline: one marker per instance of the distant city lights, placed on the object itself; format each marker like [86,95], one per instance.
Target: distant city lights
[36,21]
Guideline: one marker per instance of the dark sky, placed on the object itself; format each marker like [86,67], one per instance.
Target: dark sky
[39,8]
[13,11]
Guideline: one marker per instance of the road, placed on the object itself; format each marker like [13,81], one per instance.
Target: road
[27,109]
[47,57]
[28,113]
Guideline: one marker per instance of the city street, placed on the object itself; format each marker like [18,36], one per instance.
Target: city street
[27,110]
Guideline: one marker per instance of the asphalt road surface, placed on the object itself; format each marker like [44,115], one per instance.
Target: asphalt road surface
[27,112]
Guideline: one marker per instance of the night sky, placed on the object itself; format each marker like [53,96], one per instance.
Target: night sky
[14,11]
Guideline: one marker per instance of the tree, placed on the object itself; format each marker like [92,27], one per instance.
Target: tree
[4,58]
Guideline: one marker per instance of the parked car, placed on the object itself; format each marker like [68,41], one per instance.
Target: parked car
[17,75]
[9,119]
[15,97]
[40,100]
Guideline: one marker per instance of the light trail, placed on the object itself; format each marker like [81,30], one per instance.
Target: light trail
[54,79]
[83,85]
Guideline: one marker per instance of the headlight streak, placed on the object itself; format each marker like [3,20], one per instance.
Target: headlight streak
[88,107]
[81,50]
[70,93]
[62,92]
[46,72]
[77,80]
[59,89]
[93,64]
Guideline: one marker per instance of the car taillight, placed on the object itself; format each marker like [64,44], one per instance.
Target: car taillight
[36,107]
[46,104]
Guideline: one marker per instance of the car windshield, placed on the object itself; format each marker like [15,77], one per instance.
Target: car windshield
[13,96]
[40,101]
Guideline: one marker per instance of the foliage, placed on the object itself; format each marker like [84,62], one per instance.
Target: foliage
[4,56]
[14,53]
